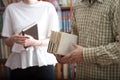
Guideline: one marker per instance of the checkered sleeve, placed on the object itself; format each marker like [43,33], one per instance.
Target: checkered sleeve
[103,55]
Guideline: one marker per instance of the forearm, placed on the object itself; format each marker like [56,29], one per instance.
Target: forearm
[42,42]
[103,55]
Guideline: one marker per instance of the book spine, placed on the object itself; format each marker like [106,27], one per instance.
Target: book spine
[58,71]
[65,71]
[65,21]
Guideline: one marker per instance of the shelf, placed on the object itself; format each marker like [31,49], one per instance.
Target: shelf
[65,8]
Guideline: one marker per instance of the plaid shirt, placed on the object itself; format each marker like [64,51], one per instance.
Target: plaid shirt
[98,28]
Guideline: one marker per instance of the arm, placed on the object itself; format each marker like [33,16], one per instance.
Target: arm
[106,54]
[30,41]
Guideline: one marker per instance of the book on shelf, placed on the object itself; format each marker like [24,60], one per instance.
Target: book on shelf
[31,29]
[61,42]
[65,21]
[4,49]
[65,71]
[64,3]
[58,71]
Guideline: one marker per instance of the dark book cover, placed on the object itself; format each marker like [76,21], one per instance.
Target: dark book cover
[32,30]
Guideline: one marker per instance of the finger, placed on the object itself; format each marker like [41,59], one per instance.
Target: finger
[74,45]
[58,57]
[66,57]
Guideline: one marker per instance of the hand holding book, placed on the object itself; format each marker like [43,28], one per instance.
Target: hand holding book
[31,30]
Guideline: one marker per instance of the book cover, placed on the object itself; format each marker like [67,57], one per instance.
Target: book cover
[32,30]
[61,42]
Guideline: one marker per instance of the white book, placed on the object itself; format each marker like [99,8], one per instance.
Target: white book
[61,42]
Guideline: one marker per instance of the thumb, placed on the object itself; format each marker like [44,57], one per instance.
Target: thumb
[74,45]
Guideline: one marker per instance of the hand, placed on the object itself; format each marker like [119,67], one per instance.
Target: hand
[75,56]
[29,41]
[18,38]
[58,57]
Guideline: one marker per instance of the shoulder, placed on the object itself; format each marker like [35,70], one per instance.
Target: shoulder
[47,4]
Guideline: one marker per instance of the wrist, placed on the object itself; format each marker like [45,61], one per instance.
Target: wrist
[37,43]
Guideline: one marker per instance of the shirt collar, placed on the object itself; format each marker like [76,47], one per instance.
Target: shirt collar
[101,1]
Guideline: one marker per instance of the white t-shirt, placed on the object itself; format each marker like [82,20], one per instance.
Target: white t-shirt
[15,18]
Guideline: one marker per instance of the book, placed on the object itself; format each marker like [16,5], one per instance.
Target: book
[32,30]
[65,71]
[58,69]
[61,42]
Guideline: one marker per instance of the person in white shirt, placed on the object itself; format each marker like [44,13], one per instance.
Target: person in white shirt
[33,62]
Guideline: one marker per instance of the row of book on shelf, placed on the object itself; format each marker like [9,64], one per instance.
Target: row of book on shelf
[66,71]
[63,3]
[65,21]
[4,49]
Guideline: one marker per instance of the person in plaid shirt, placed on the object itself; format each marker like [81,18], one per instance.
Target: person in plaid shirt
[97,54]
